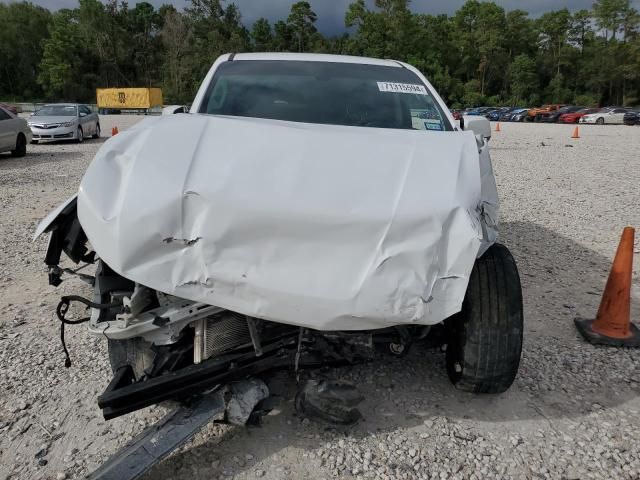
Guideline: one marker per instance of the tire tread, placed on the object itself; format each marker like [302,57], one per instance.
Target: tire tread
[487,334]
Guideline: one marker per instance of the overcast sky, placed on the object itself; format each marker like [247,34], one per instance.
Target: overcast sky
[331,12]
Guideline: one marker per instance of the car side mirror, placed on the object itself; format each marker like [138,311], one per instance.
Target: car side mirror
[82,114]
[173,109]
[477,124]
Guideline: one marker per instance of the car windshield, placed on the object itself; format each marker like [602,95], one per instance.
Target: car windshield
[57,111]
[324,92]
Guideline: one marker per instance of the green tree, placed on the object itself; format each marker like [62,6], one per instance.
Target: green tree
[23,29]
[143,26]
[176,37]
[216,30]
[472,96]
[301,22]
[609,15]
[282,37]
[389,31]
[261,35]
[480,37]
[66,71]
[524,79]
[521,34]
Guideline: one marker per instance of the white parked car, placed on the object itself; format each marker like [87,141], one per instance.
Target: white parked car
[307,209]
[14,133]
[64,121]
[610,115]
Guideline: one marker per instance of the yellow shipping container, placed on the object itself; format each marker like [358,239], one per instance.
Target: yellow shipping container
[126,98]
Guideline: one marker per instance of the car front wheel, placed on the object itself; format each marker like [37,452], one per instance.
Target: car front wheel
[600,121]
[97,134]
[21,146]
[484,341]
[79,135]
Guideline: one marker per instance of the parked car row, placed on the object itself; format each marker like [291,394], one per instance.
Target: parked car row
[53,122]
[557,114]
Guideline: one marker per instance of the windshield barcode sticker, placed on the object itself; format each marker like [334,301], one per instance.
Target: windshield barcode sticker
[402,88]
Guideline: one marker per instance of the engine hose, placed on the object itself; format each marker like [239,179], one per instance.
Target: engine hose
[63,308]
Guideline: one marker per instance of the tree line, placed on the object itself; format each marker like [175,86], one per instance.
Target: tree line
[480,55]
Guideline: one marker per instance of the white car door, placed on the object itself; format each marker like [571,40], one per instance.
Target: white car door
[6,130]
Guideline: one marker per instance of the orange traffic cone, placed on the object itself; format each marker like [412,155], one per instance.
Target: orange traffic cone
[612,325]
[576,133]
[115,130]
[498,127]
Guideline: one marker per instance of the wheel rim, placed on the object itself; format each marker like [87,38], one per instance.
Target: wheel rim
[80,137]
[600,121]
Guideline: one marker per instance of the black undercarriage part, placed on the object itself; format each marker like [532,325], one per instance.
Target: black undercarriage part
[283,348]
[159,440]
[125,395]
[330,401]
[233,404]
[232,391]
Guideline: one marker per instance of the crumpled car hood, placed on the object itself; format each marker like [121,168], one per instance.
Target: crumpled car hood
[327,227]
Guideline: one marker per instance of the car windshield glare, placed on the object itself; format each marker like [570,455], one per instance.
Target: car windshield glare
[346,94]
[57,111]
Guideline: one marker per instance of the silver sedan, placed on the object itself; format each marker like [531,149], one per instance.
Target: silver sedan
[64,121]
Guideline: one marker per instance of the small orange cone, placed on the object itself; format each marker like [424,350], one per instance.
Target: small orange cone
[115,130]
[498,127]
[612,325]
[576,133]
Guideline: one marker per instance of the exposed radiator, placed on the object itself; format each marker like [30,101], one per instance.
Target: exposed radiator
[219,334]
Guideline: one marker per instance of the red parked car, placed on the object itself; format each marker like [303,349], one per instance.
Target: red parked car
[11,108]
[574,117]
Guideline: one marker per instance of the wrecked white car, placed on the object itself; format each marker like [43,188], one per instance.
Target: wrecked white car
[308,209]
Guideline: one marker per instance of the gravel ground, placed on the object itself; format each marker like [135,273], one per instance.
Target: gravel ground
[573,412]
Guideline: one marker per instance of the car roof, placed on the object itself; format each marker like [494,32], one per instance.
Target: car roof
[317,57]
[62,104]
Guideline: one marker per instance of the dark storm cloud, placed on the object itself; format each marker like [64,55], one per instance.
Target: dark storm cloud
[331,12]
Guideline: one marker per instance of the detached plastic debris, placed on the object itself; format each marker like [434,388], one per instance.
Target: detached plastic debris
[331,401]
[241,398]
